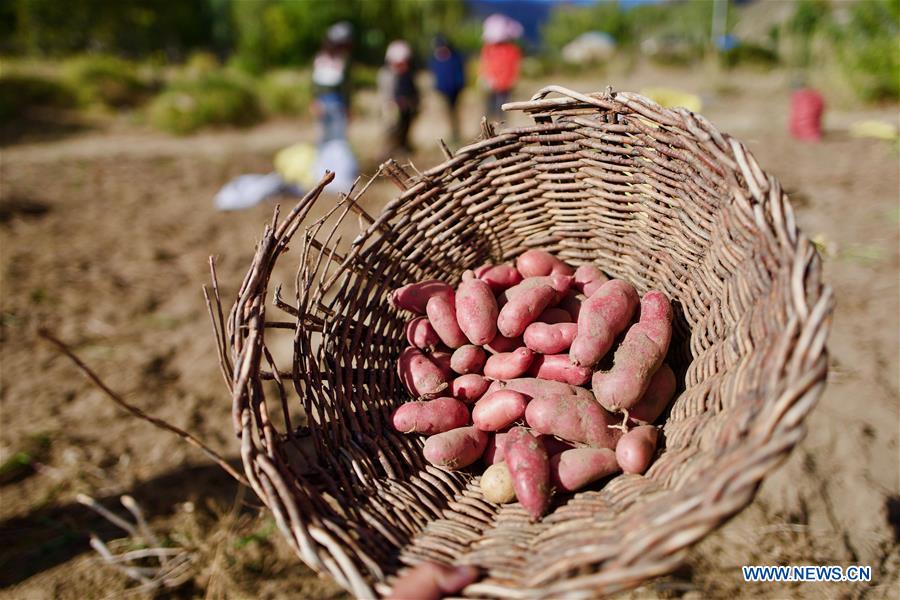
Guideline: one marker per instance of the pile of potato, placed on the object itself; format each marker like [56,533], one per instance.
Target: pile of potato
[498,367]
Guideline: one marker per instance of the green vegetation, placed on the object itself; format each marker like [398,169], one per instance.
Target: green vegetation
[104,79]
[215,99]
[20,92]
[868,48]
[266,47]
[285,92]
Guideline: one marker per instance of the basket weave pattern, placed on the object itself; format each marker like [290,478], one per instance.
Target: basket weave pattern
[654,196]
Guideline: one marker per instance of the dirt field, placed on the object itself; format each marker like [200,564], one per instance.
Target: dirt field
[105,234]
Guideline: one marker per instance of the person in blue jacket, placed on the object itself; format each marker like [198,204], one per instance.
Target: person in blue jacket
[447,66]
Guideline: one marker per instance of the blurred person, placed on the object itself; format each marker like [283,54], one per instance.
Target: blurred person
[331,82]
[400,96]
[500,59]
[448,67]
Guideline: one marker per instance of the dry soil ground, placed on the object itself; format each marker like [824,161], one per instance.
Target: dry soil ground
[105,233]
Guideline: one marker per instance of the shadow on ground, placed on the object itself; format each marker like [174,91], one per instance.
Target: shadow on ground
[47,537]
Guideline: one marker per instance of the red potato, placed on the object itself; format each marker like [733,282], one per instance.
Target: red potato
[468,275]
[479,271]
[635,449]
[554,445]
[476,311]
[442,360]
[499,410]
[508,365]
[469,388]
[414,296]
[468,359]
[603,316]
[559,283]
[540,388]
[555,315]
[431,416]
[494,451]
[422,377]
[421,334]
[500,277]
[571,303]
[501,343]
[573,418]
[455,449]
[538,262]
[657,397]
[558,367]
[441,311]
[638,356]
[588,279]
[529,466]
[573,469]
[550,339]
[520,312]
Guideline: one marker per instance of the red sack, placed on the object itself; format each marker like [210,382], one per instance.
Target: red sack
[807,106]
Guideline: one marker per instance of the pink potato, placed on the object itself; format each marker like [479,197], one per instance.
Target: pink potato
[555,315]
[638,356]
[603,316]
[499,410]
[494,451]
[558,367]
[423,377]
[508,365]
[441,311]
[520,312]
[530,469]
[588,279]
[499,277]
[442,360]
[635,449]
[468,359]
[559,283]
[479,271]
[573,469]
[430,416]
[550,339]
[476,311]
[540,388]
[469,388]
[457,448]
[573,418]
[554,445]
[421,334]
[501,343]
[414,296]
[538,262]
[656,398]
[571,303]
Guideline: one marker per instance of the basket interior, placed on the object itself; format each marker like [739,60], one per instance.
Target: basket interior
[656,197]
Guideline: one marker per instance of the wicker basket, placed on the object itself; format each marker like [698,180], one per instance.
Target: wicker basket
[654,196]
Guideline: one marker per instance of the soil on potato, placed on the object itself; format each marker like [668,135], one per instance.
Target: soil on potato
[105,236]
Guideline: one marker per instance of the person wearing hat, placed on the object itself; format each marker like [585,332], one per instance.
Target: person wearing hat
[448,68]
[500,58]
[331,82]
[397,86]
